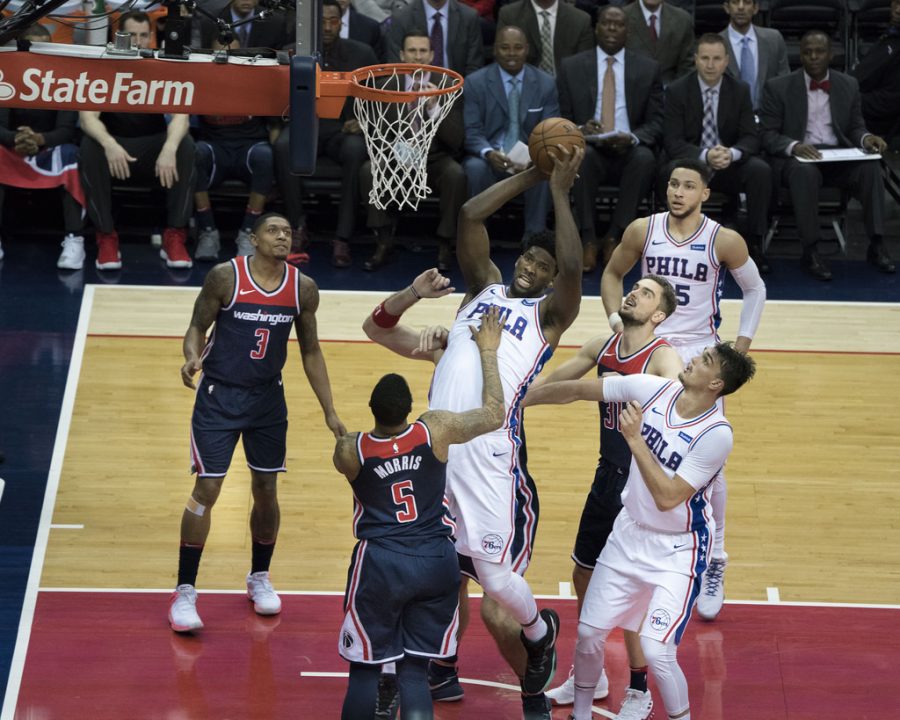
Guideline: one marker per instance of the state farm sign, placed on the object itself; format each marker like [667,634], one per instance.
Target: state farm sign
[177,96]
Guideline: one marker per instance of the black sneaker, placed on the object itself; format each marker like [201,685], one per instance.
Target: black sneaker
[541,656]
[444,684]
[388,697]
[536,707]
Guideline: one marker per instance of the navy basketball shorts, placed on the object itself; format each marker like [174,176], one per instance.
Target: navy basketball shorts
[399,603]
[222,413]
[601,508]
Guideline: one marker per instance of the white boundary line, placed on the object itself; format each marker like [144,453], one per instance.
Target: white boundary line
[43,532]
[61,526]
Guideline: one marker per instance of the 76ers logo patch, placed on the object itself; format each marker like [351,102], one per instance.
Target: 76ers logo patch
[659,620]
[492,544]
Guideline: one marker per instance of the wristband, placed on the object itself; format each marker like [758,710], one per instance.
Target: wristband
[614,319]
[382,318]
[412,289]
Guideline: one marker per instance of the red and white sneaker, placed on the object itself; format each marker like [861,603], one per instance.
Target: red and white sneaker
[173,250]
[183,615]
[108,256]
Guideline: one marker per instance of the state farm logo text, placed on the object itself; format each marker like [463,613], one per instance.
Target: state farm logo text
[124,88]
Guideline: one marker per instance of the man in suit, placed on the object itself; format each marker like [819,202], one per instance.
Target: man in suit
[878,74]
[560,31]
[812,108]
[446,178]
[454,32]
[709,115]
[340,139]
[361,28]
[663,32]
[755,54]
[489,95]
[616,93]
[271,32]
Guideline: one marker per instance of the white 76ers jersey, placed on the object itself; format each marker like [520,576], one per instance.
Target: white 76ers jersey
[523,350]
[695,449]
[695,273]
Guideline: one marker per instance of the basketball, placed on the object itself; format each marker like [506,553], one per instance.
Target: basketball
[548,135]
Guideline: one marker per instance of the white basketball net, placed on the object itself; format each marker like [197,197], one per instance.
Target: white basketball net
[399,134]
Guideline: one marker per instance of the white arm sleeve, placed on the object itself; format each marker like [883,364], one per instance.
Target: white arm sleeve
[754,290]
[625,388]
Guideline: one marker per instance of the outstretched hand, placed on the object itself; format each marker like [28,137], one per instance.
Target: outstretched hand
[431,339]
[565,167]
[431,284]
[487,336]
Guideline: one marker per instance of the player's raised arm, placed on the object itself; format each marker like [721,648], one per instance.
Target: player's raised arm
[624,257]
[565,392]
[383,324]
[573,368]
[731,250]
[449,428]
[216,293]
[345,458]
[311,354]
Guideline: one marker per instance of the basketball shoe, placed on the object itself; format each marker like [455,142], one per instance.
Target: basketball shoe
[541,656]
[183,615]
[536,707]
[207,245]
[637,705]
[388,700]
[108,256]
[72,255]
[173,250]
[712,589]
[260,591]
[244,243]
[565,693]
[443,681]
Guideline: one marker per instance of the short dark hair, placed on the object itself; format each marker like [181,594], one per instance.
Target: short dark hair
[138,16]
[667,300]
[710,39]
[816,31]
[331,3]
[602,10]
[415,32]
[735,368]
[694,164]
[391,400]
[545,239]
[262,219]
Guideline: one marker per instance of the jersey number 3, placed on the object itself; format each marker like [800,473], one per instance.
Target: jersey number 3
[261,344]
[403,496]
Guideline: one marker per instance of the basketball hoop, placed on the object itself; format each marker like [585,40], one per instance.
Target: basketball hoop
[399,108]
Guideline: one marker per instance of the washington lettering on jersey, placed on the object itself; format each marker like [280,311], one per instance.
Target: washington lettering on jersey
[398,464]
[263,316]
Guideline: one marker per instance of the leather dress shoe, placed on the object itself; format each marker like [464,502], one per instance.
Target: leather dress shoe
[589,257]
[444,258]
[379,257]
[340,254]
[878,256]
[607,247]
[816,266]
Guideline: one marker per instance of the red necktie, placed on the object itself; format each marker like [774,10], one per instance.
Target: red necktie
[653,34]
[823,85]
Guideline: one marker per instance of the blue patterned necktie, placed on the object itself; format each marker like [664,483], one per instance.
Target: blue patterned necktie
[710,137]
[437,40]
[748,68]
[512,125]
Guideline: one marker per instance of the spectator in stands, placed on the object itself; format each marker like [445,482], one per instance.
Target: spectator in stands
[663,32]
[487,15]
[445,175]
[361,28]
[136,147]
[560,31]
[878,74]
[454,31]
[615,96]
[756,54]
[709,115]
[340,139]
[501,104]
[37,151]
[269,32]
[813,108]
[378,10]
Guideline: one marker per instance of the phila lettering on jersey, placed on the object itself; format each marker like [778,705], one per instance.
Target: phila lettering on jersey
[399,492]
[610,359]
[248,344]
[693,448]
[695,273]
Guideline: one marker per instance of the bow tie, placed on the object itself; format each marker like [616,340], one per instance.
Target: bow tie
[823,85]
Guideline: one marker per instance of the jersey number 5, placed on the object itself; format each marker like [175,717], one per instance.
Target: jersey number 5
[681,292]
[403,495]
[261,344]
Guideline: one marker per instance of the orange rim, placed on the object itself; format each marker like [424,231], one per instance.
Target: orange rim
[357,89]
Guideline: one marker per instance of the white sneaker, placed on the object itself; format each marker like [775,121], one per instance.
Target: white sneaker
[712,589]
[259,590]
[565,693]
[244,244]
[183,615]
[637,705]
[207,245]
[72,255]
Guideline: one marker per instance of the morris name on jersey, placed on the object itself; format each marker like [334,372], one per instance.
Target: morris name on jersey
[398,464]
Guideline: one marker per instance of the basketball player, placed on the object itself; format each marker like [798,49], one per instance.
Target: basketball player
[402,594]
[648,574]
[635,350]
[484,475]
[692,252]
[254,301]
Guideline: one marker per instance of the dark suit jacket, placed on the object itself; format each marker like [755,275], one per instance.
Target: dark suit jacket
[878,74]
[577,81]
[465,50]
[784,112]
[674,48]
[772,62]
[366,30]
[343,56]
[271,32]
[573,31]
[683,123]
[486,111]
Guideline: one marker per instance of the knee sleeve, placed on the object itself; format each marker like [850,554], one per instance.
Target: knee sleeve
[590,639]
[261,163]
[663,663]
[507,588]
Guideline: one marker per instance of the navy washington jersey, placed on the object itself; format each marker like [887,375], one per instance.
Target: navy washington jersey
[399,492]
[613,447]
[249,342]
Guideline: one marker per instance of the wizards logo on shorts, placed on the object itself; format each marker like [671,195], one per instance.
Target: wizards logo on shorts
[347,639]
[492,544]
[659,620]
